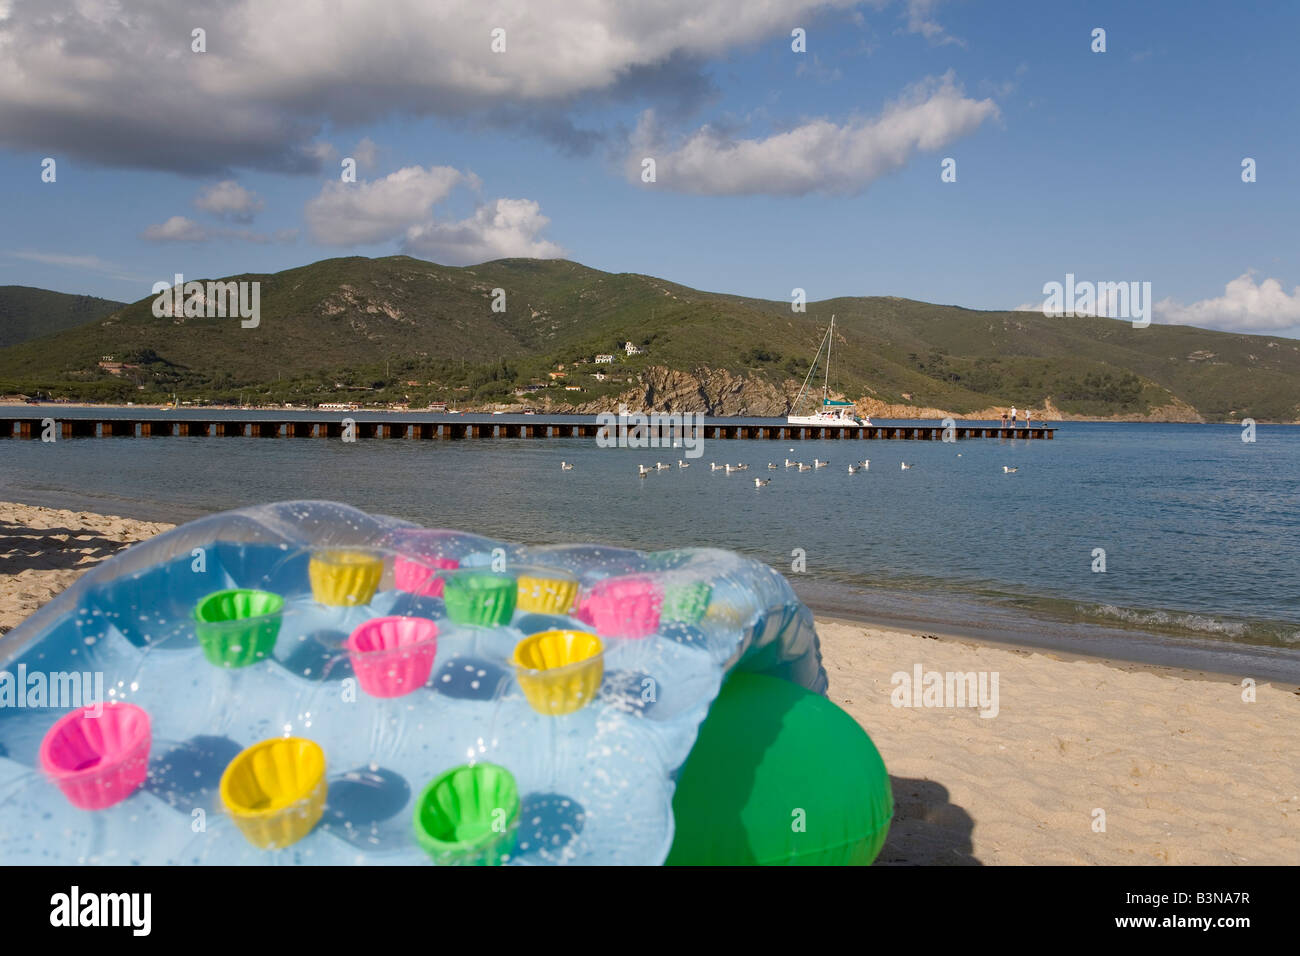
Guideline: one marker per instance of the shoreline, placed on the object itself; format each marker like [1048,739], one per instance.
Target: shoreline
[1055,420]
[1204,658]
[1062,654]
[1014,629]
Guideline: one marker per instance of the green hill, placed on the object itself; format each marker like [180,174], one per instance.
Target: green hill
[26,313]
[375,326]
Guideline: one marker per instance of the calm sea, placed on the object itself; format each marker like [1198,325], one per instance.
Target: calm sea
[1200,530]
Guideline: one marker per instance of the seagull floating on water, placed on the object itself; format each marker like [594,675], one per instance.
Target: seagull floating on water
[853,470]
[682,464]
[1007,470]
[818,463]
[771,467]
[565,466]
[789,463]
[760,482]
[714,466]
[904,465]
[803,467]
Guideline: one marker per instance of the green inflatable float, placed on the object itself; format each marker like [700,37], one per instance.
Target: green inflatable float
[779,775]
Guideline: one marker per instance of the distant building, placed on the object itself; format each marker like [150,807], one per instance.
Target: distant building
[437,406]
[573,388]
[555,375]
[631,349]
[599,376]
[604,360]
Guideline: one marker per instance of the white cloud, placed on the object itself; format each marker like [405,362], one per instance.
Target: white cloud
[93,263]
[277,71]
[366,153]
[80,263]
[358,213]
[182,229]
[176,229]
[400,208]
[819,156]
[1245,306]
[501,229]
[920,19]
[229,200]
[320,151]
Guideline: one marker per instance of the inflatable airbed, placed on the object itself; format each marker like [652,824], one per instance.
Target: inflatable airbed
[304,683]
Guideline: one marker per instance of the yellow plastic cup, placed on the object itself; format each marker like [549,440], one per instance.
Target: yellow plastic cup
[559,671]
[345,578]
[546,595]
[275,790]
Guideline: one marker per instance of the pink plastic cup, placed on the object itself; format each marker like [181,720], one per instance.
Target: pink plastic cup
[623,606]
[420,575]
[98,761]
[393,656]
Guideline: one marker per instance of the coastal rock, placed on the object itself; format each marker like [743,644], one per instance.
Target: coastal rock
[715,392]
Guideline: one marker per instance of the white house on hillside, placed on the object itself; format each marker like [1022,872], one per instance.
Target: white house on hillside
[631,349]
[604,360]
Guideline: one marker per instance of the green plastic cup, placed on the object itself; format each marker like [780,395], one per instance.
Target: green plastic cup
[468,816]
[238,627]
[686,602]
[480,598]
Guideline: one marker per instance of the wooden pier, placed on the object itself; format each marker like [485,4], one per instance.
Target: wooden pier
[32,427]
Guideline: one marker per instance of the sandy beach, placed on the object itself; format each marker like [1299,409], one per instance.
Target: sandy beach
[43,550]
[1078,761]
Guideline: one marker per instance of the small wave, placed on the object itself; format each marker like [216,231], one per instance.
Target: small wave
[1198,623]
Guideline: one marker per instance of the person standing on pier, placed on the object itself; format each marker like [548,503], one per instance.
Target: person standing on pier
[1004,419]
[1013,416]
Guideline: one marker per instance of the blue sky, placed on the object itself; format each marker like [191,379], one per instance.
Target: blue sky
[775,169]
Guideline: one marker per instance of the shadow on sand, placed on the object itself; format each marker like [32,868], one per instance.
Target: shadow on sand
[928,829]
[52,549]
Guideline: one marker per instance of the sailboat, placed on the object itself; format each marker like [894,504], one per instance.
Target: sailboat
[831,412]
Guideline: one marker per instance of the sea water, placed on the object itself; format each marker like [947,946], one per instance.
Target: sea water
[1196,530]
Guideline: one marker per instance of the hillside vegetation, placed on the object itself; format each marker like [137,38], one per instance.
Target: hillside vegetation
[27,313]
[365,329]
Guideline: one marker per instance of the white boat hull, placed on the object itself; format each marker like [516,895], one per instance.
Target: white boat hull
[830,420]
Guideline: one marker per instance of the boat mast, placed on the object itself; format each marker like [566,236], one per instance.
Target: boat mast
[826,383]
